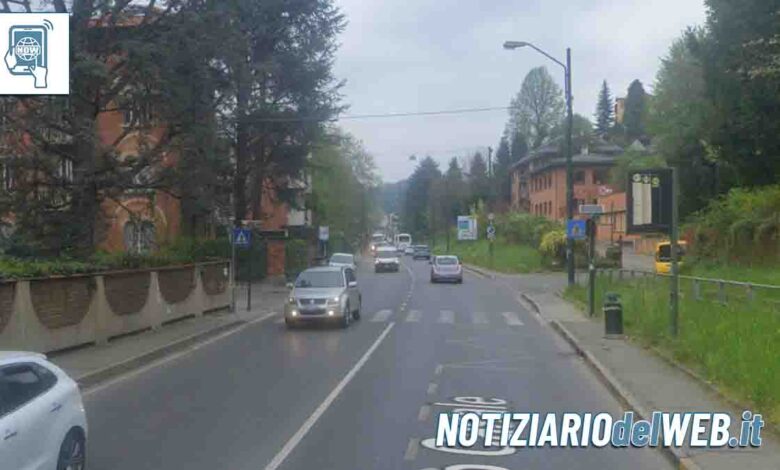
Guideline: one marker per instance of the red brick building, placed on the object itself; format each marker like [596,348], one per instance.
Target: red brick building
[538,182]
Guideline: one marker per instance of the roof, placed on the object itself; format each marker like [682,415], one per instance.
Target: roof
[16,355]
[324,269]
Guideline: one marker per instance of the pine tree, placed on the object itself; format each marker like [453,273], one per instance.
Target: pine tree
[634,118]
[605,111]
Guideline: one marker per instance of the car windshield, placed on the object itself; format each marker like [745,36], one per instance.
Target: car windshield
[320,279]
[447,260]
[343,259]
[421,248]
[383,254]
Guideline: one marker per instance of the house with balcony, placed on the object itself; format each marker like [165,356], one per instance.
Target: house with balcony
[539,180]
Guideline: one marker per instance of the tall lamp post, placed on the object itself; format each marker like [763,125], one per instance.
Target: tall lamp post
[511,45]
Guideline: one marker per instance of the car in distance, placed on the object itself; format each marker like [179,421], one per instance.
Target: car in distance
[343,260]
[386,260]
[403,241]
[446,268]
[409,250]
[42,419]
[327,293]
[421,252]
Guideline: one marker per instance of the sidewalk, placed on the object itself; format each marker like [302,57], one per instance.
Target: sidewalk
[91,365]
[638,377]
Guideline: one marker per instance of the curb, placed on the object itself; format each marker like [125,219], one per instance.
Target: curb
[92,379]
[621,393]
[479,271]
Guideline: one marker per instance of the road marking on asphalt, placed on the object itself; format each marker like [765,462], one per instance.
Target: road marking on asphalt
[512,319]
[432,387]
[414,316]
[411,449]
[424,414]
[164,360]
[479,318]
[311,420]
[446,316]
[382,315]
[438,370]
[279,321]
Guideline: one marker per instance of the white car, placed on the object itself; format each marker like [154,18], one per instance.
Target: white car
[342,260]
[386,260]
[42,419]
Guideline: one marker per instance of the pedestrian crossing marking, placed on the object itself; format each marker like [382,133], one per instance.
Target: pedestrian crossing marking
[414,316]
[446,316]
[479,318]
[382,315]
[511,319]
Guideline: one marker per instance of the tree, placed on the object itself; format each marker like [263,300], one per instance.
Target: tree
[605,111]
[742,76]
[479,184]
[681,120]
[537,108]
[416,217]
[501,173]
[581,134]
[636,107]
[518,147]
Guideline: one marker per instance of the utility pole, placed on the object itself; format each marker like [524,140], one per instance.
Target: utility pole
[490,161]
[569,175]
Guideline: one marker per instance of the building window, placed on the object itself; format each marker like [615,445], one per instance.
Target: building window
[579,177]
[139,236]
[65,170]
[549,181]
[9,179]
[600,176]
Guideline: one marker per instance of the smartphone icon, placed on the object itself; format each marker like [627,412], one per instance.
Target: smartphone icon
[28,45]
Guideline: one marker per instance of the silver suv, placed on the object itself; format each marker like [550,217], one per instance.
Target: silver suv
[324,293]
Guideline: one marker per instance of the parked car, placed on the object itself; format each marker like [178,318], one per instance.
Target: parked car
[386,260]
[344,260]
[324,293]
[42,419]
[421,252]
[446,268]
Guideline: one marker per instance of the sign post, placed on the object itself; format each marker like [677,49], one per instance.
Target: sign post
[324,236]
[491,236]
[591,227]
[652,208]
[240,238]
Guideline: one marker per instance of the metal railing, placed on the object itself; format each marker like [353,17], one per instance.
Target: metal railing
[722,291]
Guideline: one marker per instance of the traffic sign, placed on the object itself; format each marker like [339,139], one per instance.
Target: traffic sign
[576,229]
[591,209]
[242,237]
[649,201]
[491,232]
[491,217]
[324,233]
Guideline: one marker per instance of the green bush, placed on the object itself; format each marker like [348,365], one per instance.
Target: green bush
[525,228]
[296,256]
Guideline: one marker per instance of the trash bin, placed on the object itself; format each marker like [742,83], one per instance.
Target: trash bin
[613,315]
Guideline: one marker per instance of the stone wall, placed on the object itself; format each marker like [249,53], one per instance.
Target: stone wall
[56,313]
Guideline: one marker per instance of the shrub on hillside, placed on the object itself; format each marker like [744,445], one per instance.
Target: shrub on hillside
[743,225]
[525,228]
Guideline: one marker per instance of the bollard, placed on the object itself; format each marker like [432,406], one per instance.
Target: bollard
[613,316]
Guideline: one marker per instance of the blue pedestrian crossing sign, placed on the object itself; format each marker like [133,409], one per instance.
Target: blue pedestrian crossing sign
[242,237]
[576,229]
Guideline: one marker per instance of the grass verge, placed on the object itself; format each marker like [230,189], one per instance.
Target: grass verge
[507,257]
[735,345]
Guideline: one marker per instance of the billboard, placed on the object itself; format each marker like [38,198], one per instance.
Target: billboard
[467,227]
[649,201]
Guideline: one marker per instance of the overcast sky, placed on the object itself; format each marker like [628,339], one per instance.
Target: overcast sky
[429,55]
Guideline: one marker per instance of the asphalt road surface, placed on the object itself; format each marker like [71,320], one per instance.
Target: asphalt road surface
[358,399]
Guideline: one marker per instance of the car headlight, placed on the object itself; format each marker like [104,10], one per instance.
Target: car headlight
[334,300]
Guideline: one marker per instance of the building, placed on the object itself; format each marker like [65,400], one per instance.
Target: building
[539,180]
[620,110]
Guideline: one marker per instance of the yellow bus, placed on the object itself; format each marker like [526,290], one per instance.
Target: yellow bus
[663,256]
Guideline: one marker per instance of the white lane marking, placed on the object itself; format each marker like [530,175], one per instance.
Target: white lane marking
[438,369]
[432,387]
[446,316]
[411,449]
[382,315]
[311,420]
[279,321]
[414,316]
[511,319]
[424,413]
[479,318]
[164,360]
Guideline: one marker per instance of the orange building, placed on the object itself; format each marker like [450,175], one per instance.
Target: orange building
[539,180]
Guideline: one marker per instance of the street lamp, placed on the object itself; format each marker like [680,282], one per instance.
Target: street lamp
[512,45]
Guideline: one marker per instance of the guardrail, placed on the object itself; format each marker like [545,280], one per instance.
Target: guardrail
[703,289]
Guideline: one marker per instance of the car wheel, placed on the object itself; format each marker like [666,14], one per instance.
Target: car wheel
[73,455]
[346,316]
[356,313]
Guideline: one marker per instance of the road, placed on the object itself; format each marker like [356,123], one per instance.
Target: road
[363,398]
